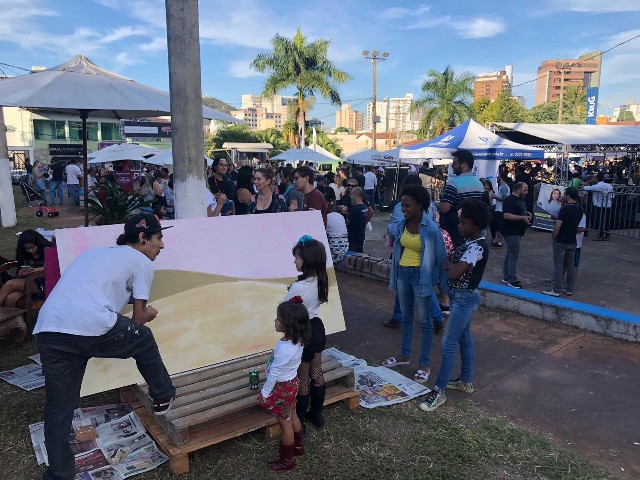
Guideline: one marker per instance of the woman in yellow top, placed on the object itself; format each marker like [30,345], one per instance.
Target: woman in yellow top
[418,253]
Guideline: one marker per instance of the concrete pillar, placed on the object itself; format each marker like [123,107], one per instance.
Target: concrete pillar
[7,201]
[187,137]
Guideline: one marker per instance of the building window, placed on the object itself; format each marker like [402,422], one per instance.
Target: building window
[48,130]
[76,127]
[110,131]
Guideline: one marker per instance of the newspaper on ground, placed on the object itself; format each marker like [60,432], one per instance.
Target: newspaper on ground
[28,377]
[378,386]
[36,358]
[120,449]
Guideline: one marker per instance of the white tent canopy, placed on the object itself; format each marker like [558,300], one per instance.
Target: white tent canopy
[369,156]
[580,134]
[165,157]
[306,154]
[122,151]
[323,151]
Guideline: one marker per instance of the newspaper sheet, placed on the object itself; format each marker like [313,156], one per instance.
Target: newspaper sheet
[120,450]
[28,377]
[36,358]
[378,386]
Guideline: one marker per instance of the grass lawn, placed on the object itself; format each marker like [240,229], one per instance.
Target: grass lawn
[458,441]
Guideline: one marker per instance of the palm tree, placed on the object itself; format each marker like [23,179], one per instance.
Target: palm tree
[447,100]
[295,62]
[574,102]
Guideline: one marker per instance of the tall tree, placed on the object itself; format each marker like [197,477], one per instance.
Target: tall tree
[446,99]
[543,113]
[504,109]
[574,104]
[626,116]
[303,65]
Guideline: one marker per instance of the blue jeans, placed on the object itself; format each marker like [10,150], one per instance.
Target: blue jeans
[408,284]
[42,186]
[463,304]
[64,359]
[371,197]
[436,313]
[74,191]
[53,188]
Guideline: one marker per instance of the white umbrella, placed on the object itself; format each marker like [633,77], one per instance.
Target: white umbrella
[122,151]
[165,157]
[80,86]
[369,156]
[304,155]
[323,151]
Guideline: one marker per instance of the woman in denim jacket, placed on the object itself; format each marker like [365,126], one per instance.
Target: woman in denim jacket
[418,253]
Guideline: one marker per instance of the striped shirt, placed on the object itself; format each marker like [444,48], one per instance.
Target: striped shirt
[457,189]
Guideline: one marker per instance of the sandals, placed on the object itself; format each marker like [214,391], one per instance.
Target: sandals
[421,376]
[393,362]
[497,244]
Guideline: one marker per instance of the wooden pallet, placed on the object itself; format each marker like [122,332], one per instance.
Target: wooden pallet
[215,403]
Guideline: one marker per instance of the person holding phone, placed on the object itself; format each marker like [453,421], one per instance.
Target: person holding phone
[30,257]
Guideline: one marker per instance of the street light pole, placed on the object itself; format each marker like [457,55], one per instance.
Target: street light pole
[564,68]
[375,56]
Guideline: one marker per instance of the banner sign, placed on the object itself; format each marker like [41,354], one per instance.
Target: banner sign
[64,149]
[146,129]
[124,181]
[547,206]
[592,105]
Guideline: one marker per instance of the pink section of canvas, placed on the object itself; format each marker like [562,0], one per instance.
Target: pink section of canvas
[244,246]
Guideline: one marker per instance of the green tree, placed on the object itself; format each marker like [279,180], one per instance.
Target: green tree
[303,65]
[325,142]
[543,113]
[478,107]
[232,133]
[626,116]
[446,99]
[574,109]
[343,129]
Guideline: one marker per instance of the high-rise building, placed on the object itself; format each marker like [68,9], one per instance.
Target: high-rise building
[394,114]
[348,118]
[276,109]
[258,118]
[489,85]
[554,75]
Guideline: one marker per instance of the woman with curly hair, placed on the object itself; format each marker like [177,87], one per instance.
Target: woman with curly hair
[416,265]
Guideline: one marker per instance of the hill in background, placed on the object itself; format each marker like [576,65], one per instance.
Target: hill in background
[217,104]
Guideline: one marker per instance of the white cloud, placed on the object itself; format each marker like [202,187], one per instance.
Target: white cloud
[126,59]
[480,28]
[241,69]
[123,32]
[400,12]
[430,22]
[155,45]
[598,6]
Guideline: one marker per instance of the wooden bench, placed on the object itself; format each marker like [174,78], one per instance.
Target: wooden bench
[215,403]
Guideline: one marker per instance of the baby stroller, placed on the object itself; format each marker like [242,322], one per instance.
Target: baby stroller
[30,193]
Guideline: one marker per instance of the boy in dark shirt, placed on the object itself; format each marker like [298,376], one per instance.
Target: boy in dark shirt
[564,244]
[358,215]
[464,269]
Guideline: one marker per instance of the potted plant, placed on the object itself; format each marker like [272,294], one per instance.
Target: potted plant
[113,205]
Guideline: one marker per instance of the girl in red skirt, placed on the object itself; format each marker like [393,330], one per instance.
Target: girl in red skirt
[278,395]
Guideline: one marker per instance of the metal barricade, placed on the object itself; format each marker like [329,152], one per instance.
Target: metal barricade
[616,213]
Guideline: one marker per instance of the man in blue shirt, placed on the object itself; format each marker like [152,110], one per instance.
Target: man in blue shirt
[464,185]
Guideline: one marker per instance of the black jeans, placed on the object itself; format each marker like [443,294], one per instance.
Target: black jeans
[64,359]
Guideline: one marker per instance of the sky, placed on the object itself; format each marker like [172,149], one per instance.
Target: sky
[129,37]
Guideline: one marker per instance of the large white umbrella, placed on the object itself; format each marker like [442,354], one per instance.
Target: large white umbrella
[303,155]
[165,157]
[122,151]
[369,156]
[80,86]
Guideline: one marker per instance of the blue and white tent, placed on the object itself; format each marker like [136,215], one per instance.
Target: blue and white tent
[470,135]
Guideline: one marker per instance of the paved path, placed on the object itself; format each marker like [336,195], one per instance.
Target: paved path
[578,388]
[609,271]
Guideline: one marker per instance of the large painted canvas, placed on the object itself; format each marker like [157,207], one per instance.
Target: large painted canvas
[216,287]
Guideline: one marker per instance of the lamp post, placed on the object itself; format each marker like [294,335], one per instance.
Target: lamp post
[374,57]
[563,68]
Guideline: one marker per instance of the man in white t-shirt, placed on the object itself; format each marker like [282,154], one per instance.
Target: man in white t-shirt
[74,174]
[370,183]
[81,319]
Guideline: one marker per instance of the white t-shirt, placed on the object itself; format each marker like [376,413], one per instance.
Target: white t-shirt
[336,224]
[501,195]
[283,364]
[209,199]
[73,174]
[94,289]
[337,190]
[580,235]
[308,290]
[370,181]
